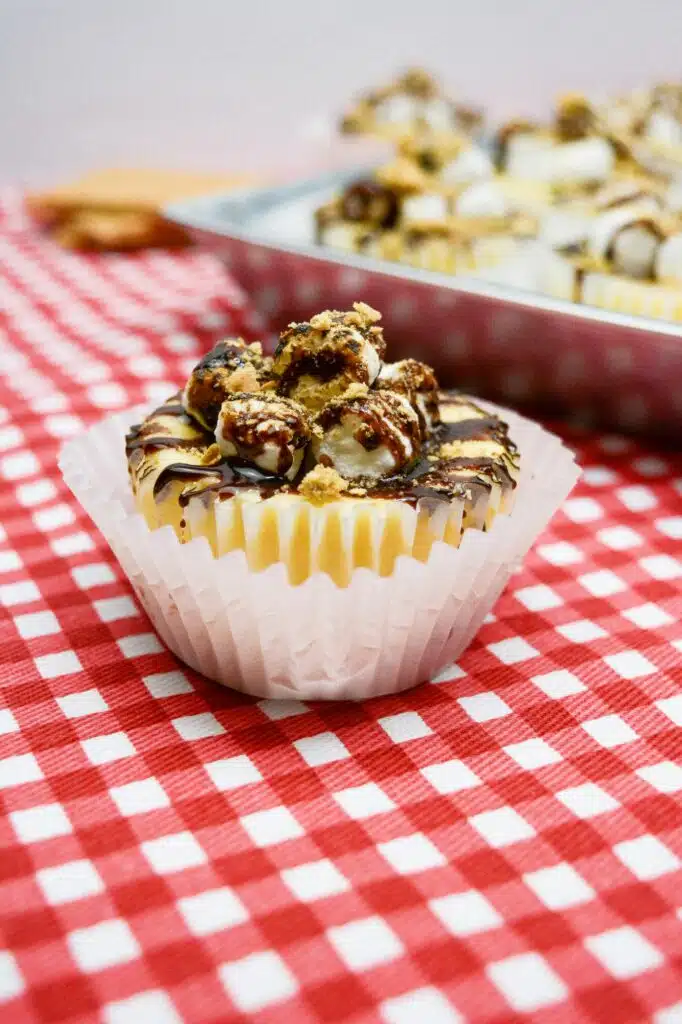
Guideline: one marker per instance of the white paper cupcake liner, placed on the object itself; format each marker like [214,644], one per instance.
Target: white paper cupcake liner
[259,634]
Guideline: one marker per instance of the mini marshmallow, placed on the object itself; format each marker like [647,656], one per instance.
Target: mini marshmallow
[472,164]
[629,236]
[418,382]
[587,160]
[264,429]
[317,361]
[425,208]
[231,367]
[368,436]
[668,266]
[484,199]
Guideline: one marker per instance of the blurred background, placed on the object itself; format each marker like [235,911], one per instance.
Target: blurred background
[211,84]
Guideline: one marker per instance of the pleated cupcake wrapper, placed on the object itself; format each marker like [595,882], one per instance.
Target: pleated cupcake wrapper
[256,632]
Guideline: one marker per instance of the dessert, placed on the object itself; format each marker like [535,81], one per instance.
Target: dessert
[413,102]
[325,458]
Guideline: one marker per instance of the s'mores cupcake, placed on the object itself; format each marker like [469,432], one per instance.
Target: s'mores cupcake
[324,523]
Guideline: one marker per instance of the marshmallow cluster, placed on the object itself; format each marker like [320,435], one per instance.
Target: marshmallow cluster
[327,398]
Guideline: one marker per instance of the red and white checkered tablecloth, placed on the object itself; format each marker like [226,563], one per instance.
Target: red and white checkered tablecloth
[501,843]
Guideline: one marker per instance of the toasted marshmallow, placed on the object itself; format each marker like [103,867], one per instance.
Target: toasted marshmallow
[418,382]
[484,199]
[369,435]
[265,429]
[317,361]
[340,236]
[397,109]
[472,164]
[668,266]
[438,114]
[426,208]
[370,202]
[564,228]
[587,160]
[673,196]
[663,127]
[629,236]
[229,368]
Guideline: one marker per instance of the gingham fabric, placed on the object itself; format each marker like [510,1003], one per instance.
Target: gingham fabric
[501,843]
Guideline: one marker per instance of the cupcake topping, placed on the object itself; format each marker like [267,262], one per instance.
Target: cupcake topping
[325,419]
[231,367]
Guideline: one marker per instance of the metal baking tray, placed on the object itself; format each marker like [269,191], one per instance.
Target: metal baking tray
[500,340]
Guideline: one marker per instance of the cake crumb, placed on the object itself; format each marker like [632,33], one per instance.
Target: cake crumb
[244,378]
[322,484]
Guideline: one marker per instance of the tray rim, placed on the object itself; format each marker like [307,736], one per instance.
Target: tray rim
[199,214]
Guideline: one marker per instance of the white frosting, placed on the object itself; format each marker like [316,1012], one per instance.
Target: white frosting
[484,199]
[351,460]
[472,164]
[668,265]
[571,162]
[425,207]
[634,251]
[664,128]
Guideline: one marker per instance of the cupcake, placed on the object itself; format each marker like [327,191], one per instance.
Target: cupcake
[322,524]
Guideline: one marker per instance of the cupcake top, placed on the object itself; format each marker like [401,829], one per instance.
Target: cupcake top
[326,418]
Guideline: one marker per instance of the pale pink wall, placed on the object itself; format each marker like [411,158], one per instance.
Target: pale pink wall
[207,83]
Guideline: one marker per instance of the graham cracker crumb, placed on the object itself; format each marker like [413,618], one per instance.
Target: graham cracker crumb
[211,456]
[245,378]
[354,390]
[256,347]
[358,492]
[322,484]
[322,321]
[366,314]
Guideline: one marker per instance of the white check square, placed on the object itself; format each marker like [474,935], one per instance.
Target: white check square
[410,854]
[44,822]
[407,725]
[212,911]
[624,952]
[8,722]
[582,631]
[23,592]
[465,913]
[587,800]
[559,887]
[619,538]
[18,770]
[69,882]
[139,797]
[268,828]
[484,707]
[647,857]
[103,945]
[513,650]
[630,664]
[321,749]
[37,624]
[538,598]
[532,753]
[176,852]
[315,880]
[560,553]
[558,684]
[11,980]
[527,982]
[112,609]
[198,727]
[502,827]
[421,1006]
[666,776]
[648,616]
[167,684]
[137,644]
[609,731]
[95,575]
[582,510]
[602,583]
[276,709]
[63,663]
[105,749]
[450,776]
[364,801]
[233,772]
[366,943]
[257,981]
[662,567]
[671,707]
[78,705]
[153,1007]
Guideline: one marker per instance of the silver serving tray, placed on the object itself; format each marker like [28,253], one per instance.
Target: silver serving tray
[497,338]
